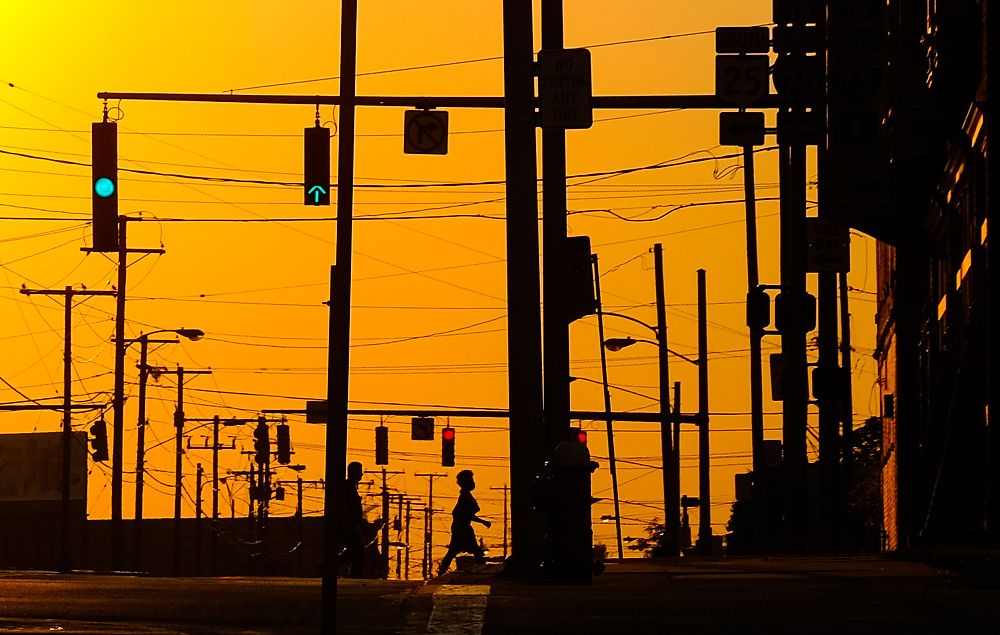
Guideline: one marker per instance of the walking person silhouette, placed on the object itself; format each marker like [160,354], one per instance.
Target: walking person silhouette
[463,538]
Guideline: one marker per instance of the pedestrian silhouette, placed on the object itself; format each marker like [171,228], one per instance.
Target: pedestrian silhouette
[463,538]
[353,522]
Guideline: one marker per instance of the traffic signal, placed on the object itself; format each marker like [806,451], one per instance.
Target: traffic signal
[382,445]
[317,166]
[581,435]
[448,447]
[104,189]
[261,443]
[758,309]
[99,432]
[284,444]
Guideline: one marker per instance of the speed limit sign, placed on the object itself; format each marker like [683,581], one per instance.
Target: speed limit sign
[741,80]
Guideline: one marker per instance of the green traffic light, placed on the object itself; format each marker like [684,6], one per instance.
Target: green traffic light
[104,187]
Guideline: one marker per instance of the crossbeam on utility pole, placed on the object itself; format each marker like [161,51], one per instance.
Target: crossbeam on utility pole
[179,449]
[428,559]
[66,559]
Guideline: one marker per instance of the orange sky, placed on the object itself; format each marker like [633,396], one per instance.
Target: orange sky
[429,321]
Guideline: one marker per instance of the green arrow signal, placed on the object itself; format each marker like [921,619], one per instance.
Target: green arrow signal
[317,191]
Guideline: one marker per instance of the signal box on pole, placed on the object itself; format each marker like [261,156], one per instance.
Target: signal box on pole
[104,188]
[316,187]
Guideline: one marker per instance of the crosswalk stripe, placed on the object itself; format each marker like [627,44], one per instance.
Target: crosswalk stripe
[459,609]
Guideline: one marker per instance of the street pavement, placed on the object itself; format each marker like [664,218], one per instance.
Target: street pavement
[814,595]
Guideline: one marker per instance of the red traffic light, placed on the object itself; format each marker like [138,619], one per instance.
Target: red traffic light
[448,434]
[580,434]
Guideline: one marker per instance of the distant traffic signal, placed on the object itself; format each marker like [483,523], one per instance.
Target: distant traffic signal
[261,443]
[284,444]
[99,432]
[448,447]
[104,189]
[382,445]
[317,166]
[581,435]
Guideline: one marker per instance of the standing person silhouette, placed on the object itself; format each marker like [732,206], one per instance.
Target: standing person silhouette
[463,538]
[353,519]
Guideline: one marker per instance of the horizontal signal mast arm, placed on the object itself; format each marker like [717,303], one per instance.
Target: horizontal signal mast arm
[612,102]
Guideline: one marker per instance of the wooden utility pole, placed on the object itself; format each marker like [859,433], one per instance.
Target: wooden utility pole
[118,427]
[216,447]
[609,419]
[704,460]
[505,489]
[178,459]
[385,518]
[66,557]
[428,561]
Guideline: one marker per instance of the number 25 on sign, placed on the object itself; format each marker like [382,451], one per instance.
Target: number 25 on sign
[741,80]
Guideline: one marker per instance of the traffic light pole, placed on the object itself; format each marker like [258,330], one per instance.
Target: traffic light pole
[66,557]
[524,349]
[338,362]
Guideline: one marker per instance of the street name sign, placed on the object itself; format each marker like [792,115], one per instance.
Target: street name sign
[565,91]
[741,128]
[798,39]
[425,132]
[742,39]
[828,246]
[741,80]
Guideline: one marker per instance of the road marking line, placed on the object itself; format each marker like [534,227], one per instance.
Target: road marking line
[459,609]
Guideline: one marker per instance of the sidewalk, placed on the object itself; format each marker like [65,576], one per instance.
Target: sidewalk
[834,594]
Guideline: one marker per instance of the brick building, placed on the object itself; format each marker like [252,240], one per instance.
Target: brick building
[935,349]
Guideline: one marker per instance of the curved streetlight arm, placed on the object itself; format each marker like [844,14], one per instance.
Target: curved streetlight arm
[628,341]
[632,319]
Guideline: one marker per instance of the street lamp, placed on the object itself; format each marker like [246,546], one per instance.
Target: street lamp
[669,443]
[144,341]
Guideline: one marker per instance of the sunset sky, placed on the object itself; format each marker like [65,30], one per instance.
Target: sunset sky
[249,264]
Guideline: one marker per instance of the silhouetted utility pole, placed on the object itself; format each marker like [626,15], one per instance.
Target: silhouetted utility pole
[178,462]
[505,489]
[847,399]
[385,517]
[524,346]
[428,561]
[140,457]
[216,447]
[554,256]
[339,353]
[668,449]
[66,557]
[758,318]
[704,467]
[406,555]
[199,473]
[609,419]
[118,434]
